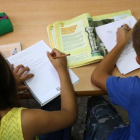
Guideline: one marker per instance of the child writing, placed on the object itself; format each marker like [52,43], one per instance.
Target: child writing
[103,121]
[26,124]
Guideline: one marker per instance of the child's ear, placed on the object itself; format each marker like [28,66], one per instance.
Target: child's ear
[138,59]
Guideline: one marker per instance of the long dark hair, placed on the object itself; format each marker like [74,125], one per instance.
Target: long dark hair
[8,86]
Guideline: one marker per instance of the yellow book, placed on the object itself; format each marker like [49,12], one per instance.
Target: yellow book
[78,38]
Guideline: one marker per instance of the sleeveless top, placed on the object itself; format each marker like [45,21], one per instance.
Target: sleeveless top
[10,127]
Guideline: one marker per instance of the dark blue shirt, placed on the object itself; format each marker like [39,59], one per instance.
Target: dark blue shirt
[125,92]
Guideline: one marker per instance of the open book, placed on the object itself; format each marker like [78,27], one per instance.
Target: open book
[78,37]
[45,85]
[126,62]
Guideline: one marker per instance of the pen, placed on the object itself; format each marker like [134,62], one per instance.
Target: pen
[128,29]
[61,56]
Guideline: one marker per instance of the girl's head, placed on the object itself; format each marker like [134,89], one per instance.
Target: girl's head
[8,86]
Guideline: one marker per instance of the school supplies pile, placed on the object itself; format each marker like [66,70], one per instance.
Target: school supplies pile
[78,37]
[45,85]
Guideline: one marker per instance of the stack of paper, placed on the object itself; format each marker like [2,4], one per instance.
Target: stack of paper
[126,62]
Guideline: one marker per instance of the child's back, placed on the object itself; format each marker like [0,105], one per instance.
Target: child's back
[11,127]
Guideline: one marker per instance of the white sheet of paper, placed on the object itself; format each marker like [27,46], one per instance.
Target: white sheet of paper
[45,84]
[107,33]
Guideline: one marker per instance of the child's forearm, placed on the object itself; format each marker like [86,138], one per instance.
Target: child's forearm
[105,68]
[107,64]
[68,99]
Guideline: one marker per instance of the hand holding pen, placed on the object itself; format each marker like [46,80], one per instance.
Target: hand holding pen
[123,35]
[126,27]
[61,56]
[58,59]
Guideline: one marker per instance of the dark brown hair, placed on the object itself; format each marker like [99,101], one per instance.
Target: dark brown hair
[136,37]
[8,86]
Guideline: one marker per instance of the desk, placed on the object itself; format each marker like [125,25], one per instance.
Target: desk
[31,17]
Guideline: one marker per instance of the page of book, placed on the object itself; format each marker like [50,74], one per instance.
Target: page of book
[126,62]
[51,35]
[77,38]
[116,16]
[45,84]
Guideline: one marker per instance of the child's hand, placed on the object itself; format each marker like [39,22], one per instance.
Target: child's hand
[59,63]
[123,35]
[18,74]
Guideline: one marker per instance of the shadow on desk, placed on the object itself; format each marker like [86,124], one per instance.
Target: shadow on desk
[27,95]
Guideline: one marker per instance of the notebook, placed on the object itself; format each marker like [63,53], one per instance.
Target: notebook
[126,62]
[45,85]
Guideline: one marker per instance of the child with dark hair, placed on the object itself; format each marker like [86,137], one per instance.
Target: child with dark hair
[103,121]
[26,124]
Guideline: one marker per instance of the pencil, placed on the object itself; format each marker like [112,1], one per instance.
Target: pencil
[61,56]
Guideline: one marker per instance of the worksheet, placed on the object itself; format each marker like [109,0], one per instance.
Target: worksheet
[107,33]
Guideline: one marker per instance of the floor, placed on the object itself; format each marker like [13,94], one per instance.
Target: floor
[79,127]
